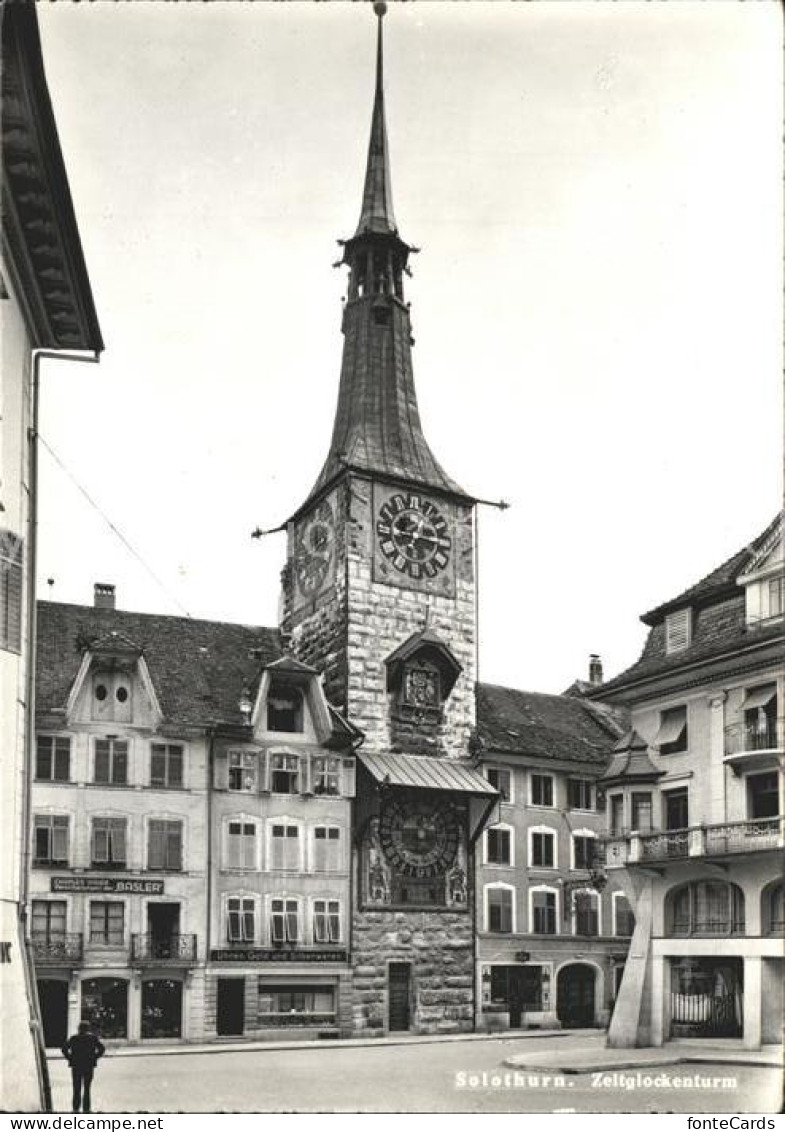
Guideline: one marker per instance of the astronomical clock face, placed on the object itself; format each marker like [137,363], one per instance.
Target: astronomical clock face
[413,540]
[419,840]
[314,554]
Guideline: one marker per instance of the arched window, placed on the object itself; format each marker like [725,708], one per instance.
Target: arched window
[705,908]
[773,917]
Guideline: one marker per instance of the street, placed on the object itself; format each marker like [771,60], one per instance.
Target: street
[401,1078]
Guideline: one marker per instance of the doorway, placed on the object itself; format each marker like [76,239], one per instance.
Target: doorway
[230,1007]
[53,1000]
[707,997]
[163,929]
[575,995]
[162,1008]
[398,981]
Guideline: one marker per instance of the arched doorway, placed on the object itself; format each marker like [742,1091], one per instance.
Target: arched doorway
[53,1000]
[575,995]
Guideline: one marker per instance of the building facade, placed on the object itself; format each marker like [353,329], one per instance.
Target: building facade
[45,305]
[695,810]
[552,935]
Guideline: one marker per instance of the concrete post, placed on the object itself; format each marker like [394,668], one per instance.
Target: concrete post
[753,1002]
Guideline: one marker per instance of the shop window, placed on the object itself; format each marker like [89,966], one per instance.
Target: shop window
[285,847]
[542,790]
[326,772]
[166,765]
[543,913]
[498,844]
[241,845]
[49,920]
[672,736]
[50,833]
[579,794]
[284,709]
[240,919]
[105,1007]
[326,921]
[501,779]
[584,850]
[108,843]
[542,850]
[705,908]
[285,774]
[327,849]
[11,560]
[165,845]
[763,797]
[162,1008]
[111,762]
[243,766]
[285,921]
[499,902]
[297,1005]
[107,922]
[53,758]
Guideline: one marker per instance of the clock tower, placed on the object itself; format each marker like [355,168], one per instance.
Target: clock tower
[379,595]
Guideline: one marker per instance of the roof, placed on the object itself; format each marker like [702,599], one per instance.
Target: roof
[198,668]
[631,761]
[548,727]
[376,214]
[425,773]
[39,222]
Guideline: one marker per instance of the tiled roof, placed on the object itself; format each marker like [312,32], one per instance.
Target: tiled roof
[631,761]
[543,726]
[198,668]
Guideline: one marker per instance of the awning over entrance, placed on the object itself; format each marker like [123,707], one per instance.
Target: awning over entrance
[423,772]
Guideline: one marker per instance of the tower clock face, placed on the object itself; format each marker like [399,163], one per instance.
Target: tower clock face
[314,553]
[413,535]
[419,839]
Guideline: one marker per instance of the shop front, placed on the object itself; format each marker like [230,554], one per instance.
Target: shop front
[515,995]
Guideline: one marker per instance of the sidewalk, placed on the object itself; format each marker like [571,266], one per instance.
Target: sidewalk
[595,1057]
[153,1049]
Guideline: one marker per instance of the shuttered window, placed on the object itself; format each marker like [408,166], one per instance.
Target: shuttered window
[241,845]
[111,762]
[327,855]
[240,919]
[285,847]
[108,843]
[51,839]
[544,913]
[165,845]
[107,922]
[285,921]
[499,909]
[678,628]
[11,578]
[326,921]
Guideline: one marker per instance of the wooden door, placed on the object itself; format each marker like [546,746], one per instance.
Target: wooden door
[398,979]
[230,1007]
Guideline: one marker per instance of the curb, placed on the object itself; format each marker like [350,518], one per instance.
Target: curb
[618,1066]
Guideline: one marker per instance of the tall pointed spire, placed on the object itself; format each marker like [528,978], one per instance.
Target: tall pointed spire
[377,208]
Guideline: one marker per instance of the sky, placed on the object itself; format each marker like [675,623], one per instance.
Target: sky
[596,190]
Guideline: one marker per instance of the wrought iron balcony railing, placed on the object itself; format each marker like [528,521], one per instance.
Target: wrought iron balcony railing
[744,836]
[64,950]
[755,836]
[765,735]
[172,949]
[669,844]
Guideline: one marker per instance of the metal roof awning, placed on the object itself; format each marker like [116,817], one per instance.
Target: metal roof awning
[426,773]
[759,697]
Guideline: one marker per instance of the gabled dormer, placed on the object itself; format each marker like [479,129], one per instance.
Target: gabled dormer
[763,579]
[113,685]
[291,707]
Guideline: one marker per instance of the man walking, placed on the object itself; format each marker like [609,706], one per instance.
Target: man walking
[82,1051]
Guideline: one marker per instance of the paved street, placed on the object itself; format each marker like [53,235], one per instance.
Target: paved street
[388,1078]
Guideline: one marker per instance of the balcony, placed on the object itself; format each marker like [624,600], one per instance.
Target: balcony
[754,746]
[57,950]
[729,838]
[173,950]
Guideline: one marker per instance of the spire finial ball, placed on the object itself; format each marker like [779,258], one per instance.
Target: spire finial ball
[380,8]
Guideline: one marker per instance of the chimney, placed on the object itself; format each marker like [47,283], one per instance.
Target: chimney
[595,669]
[103,595]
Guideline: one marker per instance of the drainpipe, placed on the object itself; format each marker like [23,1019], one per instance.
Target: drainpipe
[27,766]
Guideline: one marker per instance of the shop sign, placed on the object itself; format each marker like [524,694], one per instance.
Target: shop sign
[140,885]
[523,956]
[260,955]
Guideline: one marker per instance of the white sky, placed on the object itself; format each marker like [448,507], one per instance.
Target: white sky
[596,188]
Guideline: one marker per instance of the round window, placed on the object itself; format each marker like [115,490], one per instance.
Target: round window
[100,692]
[122,694]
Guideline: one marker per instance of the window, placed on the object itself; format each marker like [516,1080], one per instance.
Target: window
[705,908]
[326,921]
[240,919]
[108,843]
[624,918]
[499,918]
[285,847]
[760,718]
[284,709]
[676,812]
[543,913]
[53,758]
[111,762]
[293,1005]
[542,790]
[166,765]
[617,814]
[498,846]
[763,799]
[584,849]
[672,735]
[51,839]
[285,771]
[641,813]
[579,794]
[774,910]
[678,628]
[326,772]
[586,913]
[165,845]
[107,922]
[241,845]
[285,921]
[501,779]
[48,921]
[11,559]
[111,697]
[327,849]
[242,771]
[776,591]
[542,850]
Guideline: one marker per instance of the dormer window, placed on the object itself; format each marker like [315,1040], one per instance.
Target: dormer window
[776,596]
[284,709]
[112,697]
[678,630]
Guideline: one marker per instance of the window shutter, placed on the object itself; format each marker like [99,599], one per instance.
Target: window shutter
[220,771]
[677,630]
[348,778]
[263,781]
